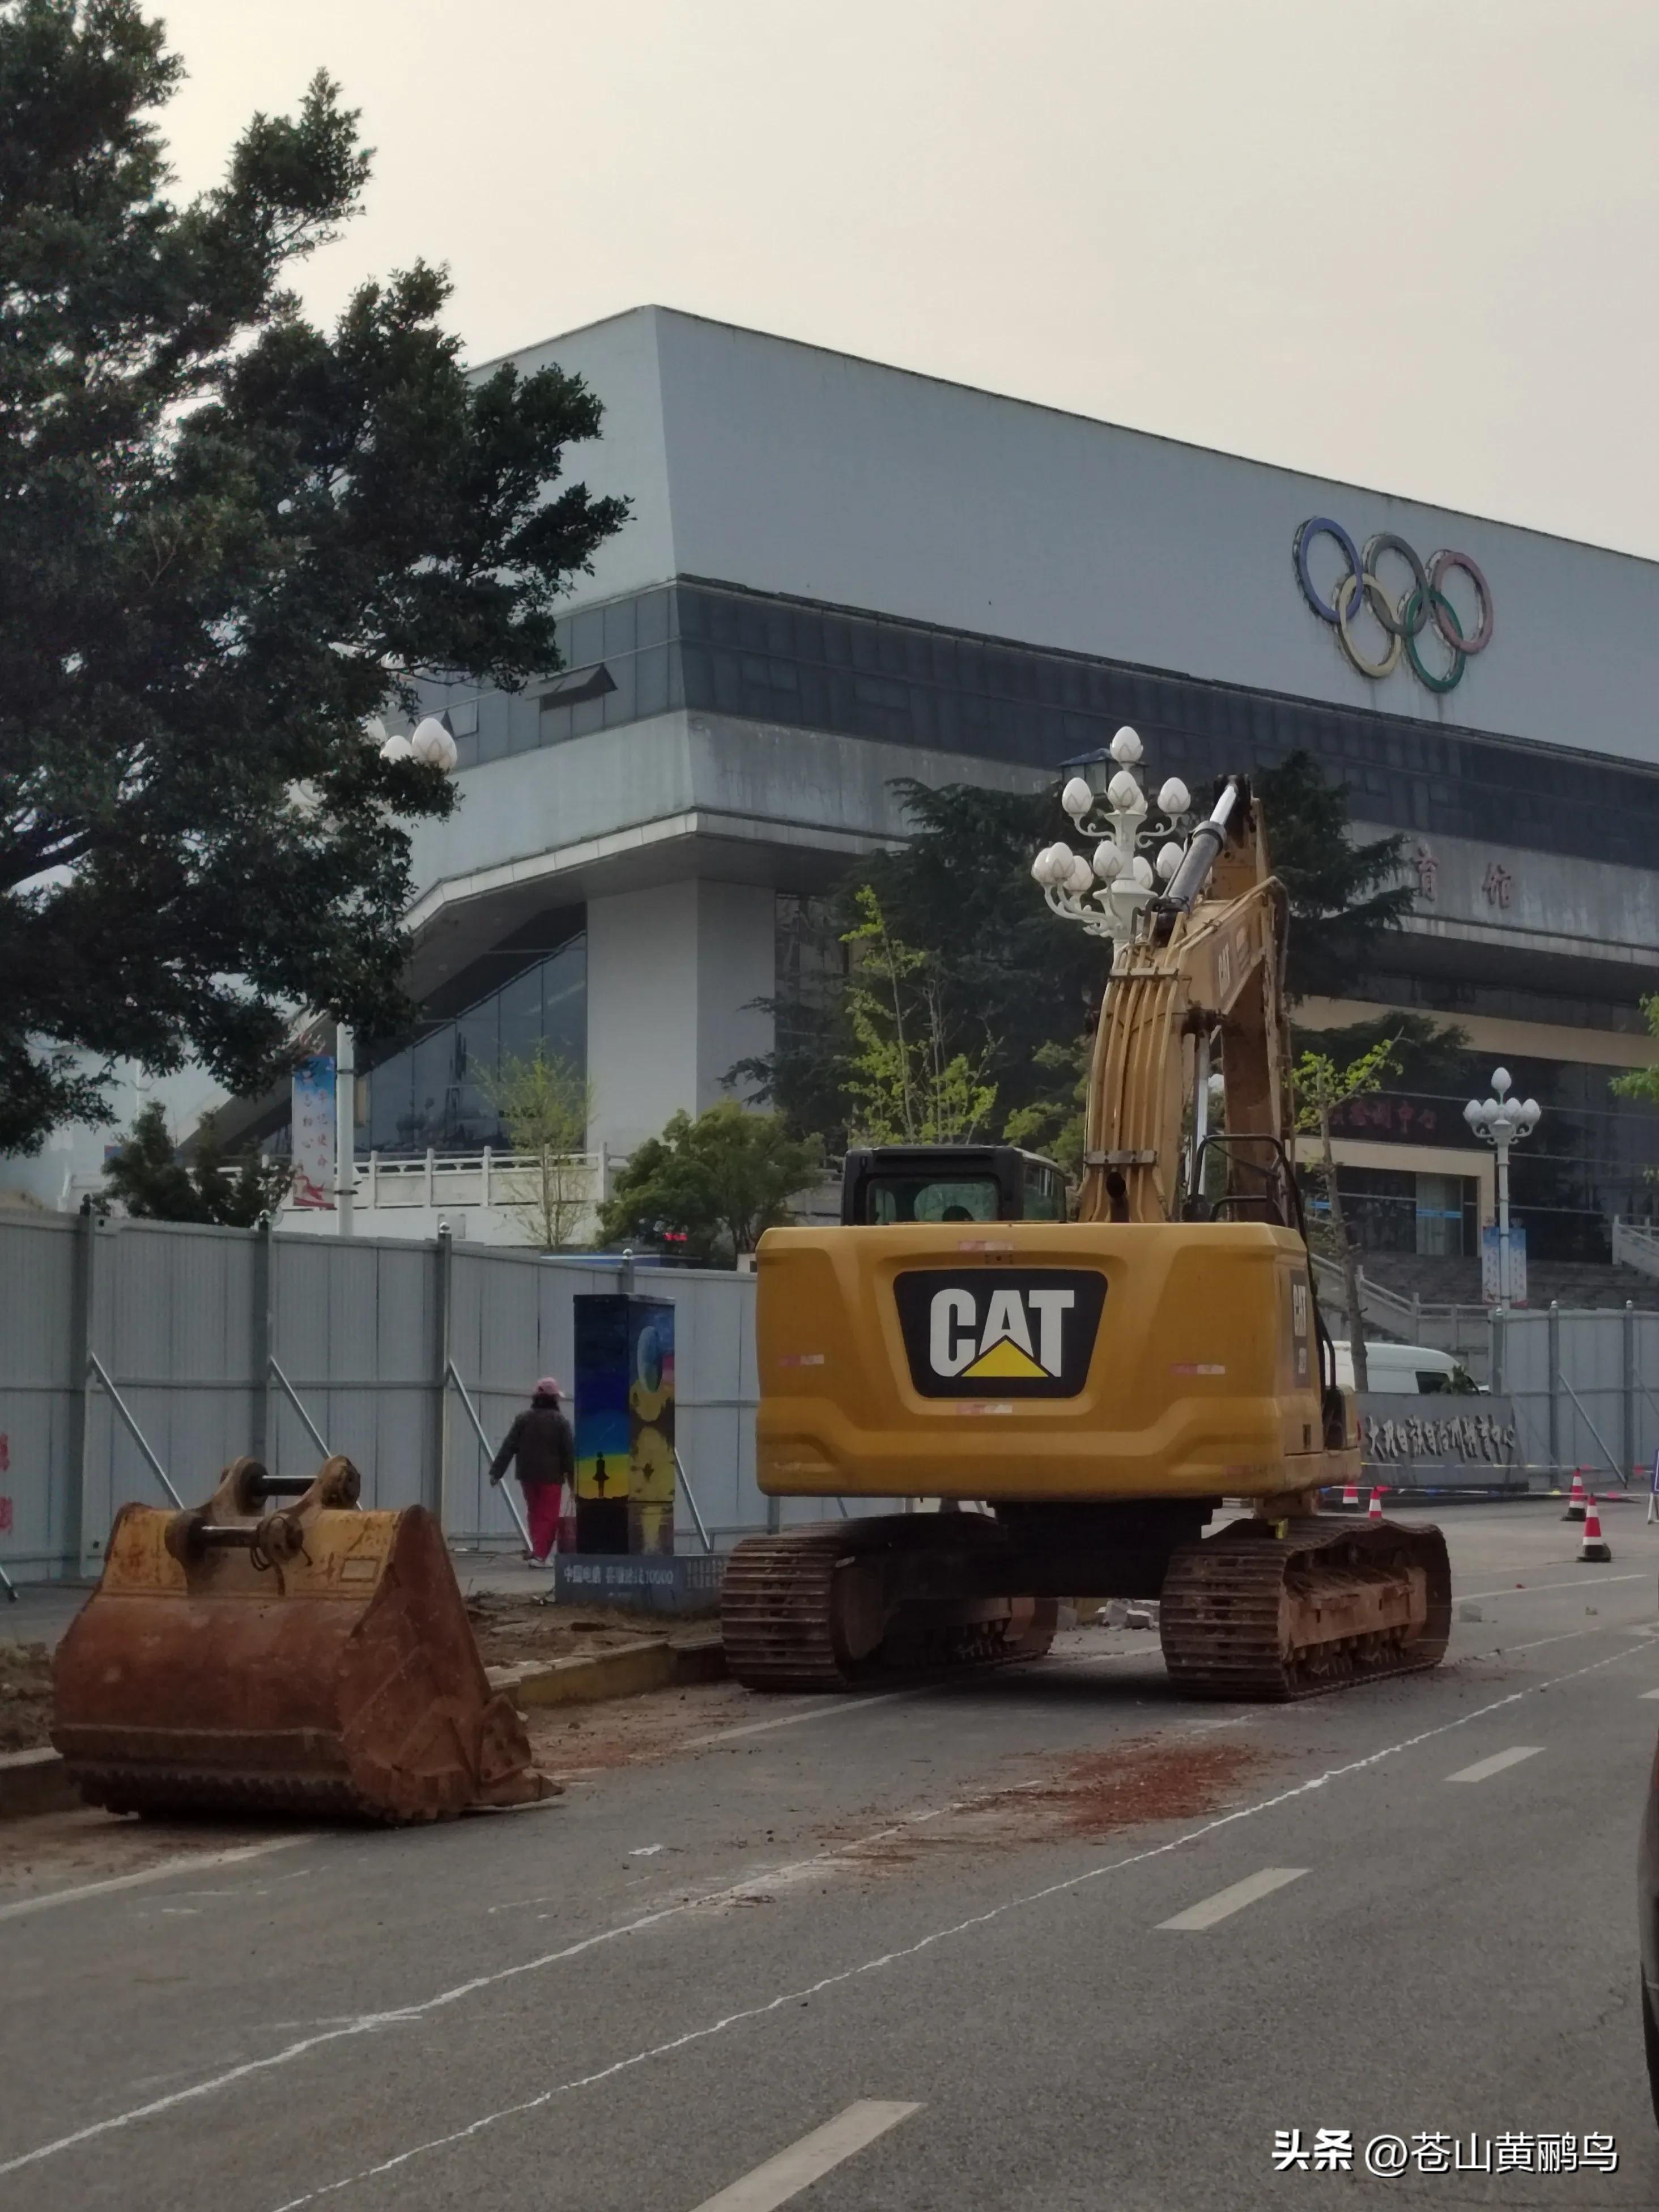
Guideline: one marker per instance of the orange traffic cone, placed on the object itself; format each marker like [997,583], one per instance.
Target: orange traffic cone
[1374,1510]
[1576,1500]
[1595,1547]
[1351,1495]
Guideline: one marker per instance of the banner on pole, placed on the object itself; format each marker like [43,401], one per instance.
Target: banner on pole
[1492,1261]
[314,1133]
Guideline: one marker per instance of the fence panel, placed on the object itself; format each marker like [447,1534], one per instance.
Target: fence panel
[39,1395]
[355,1331]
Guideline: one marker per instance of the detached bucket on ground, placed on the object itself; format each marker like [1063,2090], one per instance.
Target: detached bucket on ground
[300,1657]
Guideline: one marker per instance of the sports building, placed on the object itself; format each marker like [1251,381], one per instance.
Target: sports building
[837,575]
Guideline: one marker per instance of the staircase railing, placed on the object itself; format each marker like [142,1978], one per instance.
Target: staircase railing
[1462,1330]
[1635,1244]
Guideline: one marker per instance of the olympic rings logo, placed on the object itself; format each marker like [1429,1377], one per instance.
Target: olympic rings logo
[1421,604]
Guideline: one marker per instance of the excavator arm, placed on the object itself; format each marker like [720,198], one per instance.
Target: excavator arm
[1201,992]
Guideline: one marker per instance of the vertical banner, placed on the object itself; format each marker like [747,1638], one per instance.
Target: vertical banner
[1491,1260]
[314,1133]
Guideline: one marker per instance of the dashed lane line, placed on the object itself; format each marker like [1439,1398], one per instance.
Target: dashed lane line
[811,2159]
[1483,1769]
[1226,1902]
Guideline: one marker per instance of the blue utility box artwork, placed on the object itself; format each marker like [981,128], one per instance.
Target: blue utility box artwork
[624,1426]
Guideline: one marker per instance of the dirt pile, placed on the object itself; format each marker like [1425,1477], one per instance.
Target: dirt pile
[509,1628]
[25,1696]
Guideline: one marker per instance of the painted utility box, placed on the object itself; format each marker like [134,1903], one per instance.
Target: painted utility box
[624,1425]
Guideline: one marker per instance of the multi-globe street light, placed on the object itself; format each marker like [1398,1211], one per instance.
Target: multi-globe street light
[1105,891]
[1501,1121]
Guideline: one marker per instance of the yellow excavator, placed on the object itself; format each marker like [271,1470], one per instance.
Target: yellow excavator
[1094,1388]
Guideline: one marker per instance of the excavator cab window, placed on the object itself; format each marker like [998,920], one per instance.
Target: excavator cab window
[893,1198]
[885,1185]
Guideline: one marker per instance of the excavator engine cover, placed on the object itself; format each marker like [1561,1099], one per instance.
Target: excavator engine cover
[303,1657]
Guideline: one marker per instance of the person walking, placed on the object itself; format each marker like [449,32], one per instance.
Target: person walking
[541,1441]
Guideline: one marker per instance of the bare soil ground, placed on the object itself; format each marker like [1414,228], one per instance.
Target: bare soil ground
[512,1628]
[25,1696]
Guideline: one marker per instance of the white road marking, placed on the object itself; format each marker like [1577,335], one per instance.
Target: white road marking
[788,2000]
[827,1711]
[826,1708]
[290,2053]
[1528,1590]
[369,2023]
[163,1870]
[1483,1769]
[809,2159]
[1226,1902]
[1650,1694]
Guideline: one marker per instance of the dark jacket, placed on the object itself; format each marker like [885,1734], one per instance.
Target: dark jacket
[541,1442]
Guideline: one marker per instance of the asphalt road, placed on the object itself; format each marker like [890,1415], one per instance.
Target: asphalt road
[1053,1941]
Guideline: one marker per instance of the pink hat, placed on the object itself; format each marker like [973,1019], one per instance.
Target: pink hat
[549,1387]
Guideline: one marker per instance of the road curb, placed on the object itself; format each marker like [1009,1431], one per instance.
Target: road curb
[653,1663]
[36,1782]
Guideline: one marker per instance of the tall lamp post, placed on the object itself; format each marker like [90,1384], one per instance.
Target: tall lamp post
[1140,842]
[1501,1121]
[431,742]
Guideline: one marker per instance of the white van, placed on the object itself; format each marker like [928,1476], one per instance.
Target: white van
[1408,1368]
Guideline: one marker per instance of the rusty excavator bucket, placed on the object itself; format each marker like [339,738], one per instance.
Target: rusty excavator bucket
[277,1650]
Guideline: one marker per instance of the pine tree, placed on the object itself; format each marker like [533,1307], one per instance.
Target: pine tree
[223,533]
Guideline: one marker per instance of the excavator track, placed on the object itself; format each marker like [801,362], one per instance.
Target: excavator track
[825,1608]
[1254,1613]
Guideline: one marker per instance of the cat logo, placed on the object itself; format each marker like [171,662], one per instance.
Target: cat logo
[1018,1333]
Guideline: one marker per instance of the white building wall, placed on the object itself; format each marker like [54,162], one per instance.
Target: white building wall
[792,468]
[671,971]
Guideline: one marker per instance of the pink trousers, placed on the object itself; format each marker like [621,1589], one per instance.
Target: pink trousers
[541,1501]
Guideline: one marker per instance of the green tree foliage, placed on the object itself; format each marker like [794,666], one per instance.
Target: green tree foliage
[902,1084]
[1056,1125]
[223,534]
[721,1180]
[1642,1082]
[1323,1086]
[545,1105]
[148,1178]
[1428,1055]
[1015,988]
[1006,977]
[1344,898]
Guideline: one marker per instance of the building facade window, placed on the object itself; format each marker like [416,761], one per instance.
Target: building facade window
[425,1093]
[716,648]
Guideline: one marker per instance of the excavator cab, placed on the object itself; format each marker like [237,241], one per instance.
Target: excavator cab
[884,1185]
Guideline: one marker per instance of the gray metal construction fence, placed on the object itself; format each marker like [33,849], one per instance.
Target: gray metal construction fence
[139,1355]
[137,1358]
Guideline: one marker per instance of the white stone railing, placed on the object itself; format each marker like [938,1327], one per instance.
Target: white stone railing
[482,1179]
[1635,1244]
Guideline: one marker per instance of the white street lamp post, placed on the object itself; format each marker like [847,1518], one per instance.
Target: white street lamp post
[430,742]
[1501,1121]
[1105,892]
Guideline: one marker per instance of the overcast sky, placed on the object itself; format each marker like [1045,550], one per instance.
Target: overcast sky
[1413,247]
